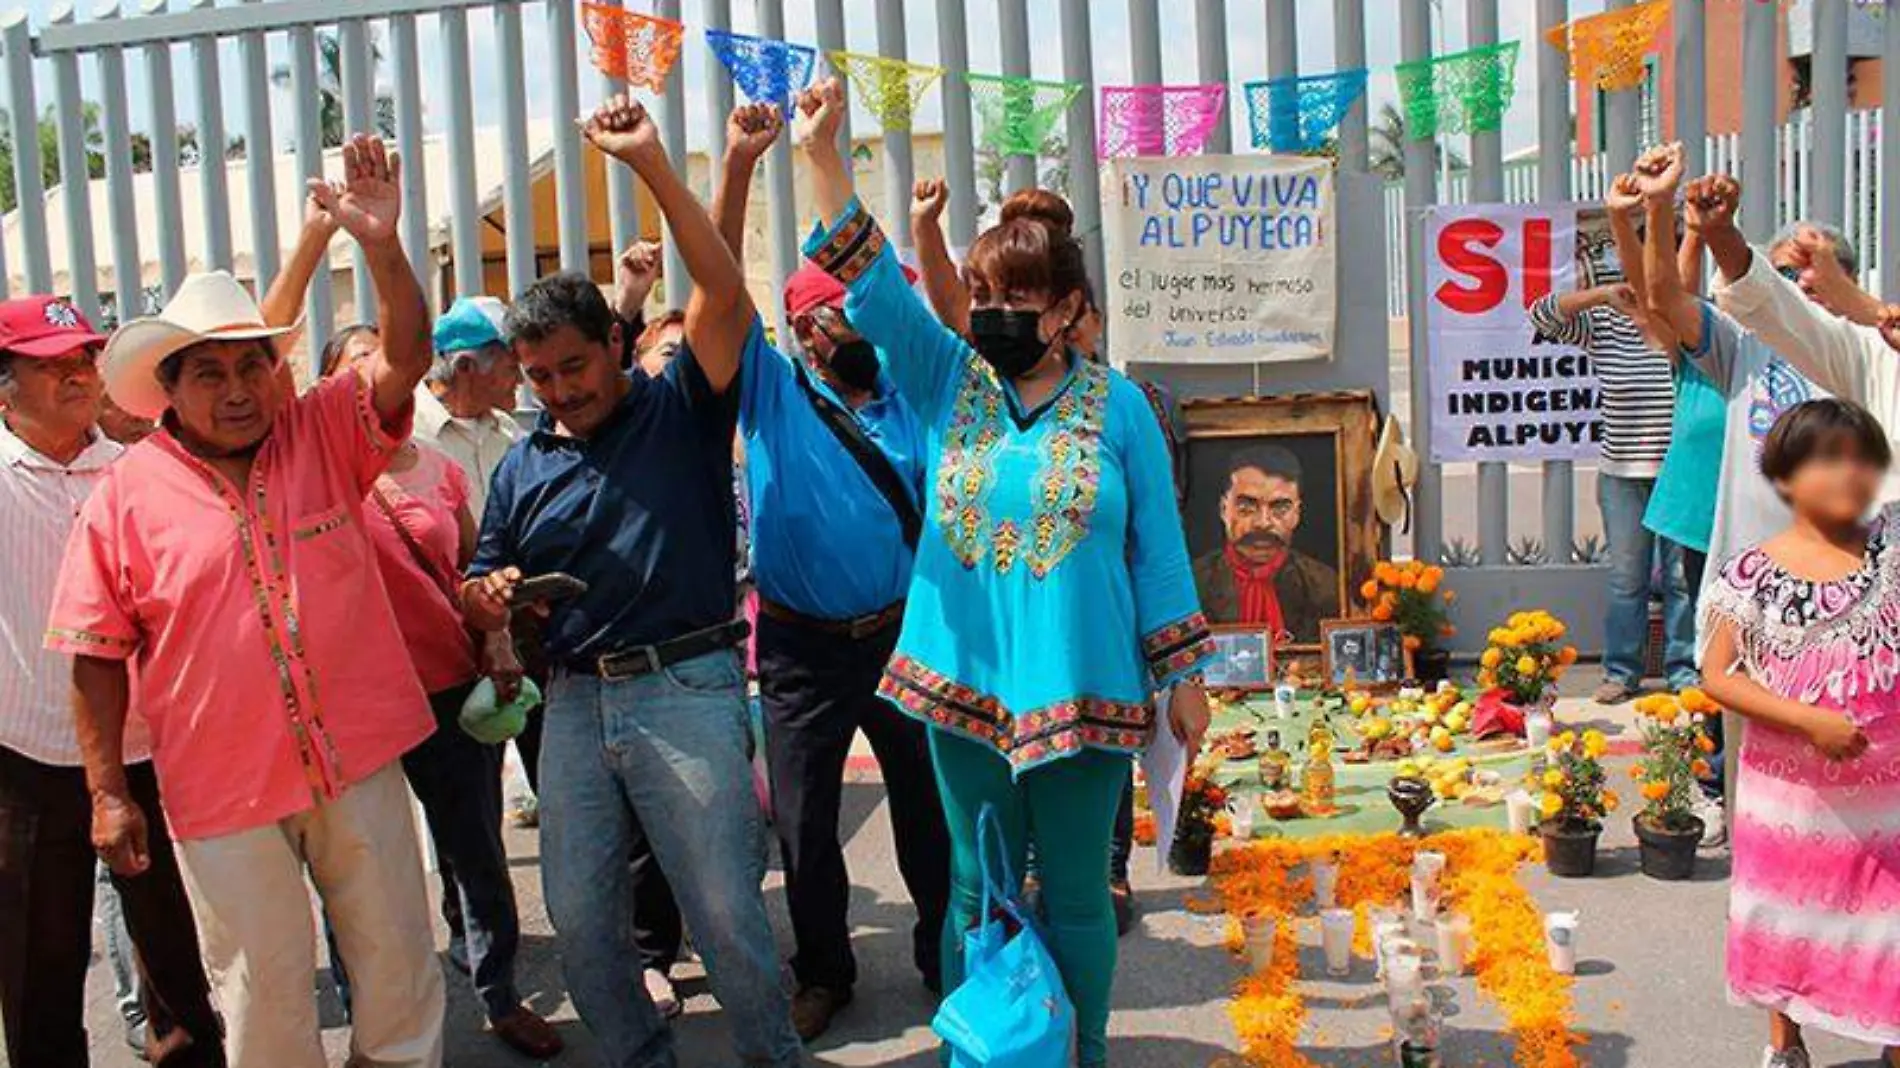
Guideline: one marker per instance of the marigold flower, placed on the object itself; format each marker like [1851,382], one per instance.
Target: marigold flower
[1595,744]
[1553,778]
[1610,801]
[1385,573]
[1699,768]
[1526,665]
[1382,612]
[1636,772]
[1451,596]
[1492,657]
[1655,791]
[1427,583]
[1369,591]
[1567,655]
[1550,805]
[1407,580]
[1704,743]
[1695,700]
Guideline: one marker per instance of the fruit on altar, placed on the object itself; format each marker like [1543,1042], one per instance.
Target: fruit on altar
[1456,723]
[1359,704]
[1376,728]
[1282,805]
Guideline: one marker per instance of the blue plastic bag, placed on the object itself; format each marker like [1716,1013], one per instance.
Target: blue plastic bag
[1011,1011]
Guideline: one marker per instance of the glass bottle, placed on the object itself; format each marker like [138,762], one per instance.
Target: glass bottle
[1318,778]
[1275,763]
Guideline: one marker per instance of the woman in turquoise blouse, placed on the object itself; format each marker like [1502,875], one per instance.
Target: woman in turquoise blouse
[1051,599]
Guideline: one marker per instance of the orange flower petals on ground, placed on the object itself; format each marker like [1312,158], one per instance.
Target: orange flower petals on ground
[1509,959]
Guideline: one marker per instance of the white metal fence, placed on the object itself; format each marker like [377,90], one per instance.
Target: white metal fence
[1589,177]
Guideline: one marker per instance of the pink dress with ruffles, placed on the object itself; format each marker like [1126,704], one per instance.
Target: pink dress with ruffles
[1814,902]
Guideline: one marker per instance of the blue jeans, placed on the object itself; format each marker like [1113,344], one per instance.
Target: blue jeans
[1636,557]
[672,746]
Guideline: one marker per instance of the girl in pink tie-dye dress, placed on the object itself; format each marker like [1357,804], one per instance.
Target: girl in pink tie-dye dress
[1803,640]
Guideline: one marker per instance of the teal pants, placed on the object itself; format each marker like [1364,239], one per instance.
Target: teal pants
[1067,808]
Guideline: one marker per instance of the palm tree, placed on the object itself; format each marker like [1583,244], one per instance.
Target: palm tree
[330,89]
[1386,145]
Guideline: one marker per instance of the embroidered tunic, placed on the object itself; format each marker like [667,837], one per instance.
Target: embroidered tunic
[1814,903]
[1052,595]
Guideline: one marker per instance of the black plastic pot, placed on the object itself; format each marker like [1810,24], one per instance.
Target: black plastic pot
[1570,849]
[1669,854]
[1190,856]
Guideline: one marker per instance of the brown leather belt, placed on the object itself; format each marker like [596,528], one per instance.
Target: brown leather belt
[635,661]
[861,627]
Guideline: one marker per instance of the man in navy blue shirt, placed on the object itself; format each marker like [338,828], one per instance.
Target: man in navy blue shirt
[834,465]
[626,484]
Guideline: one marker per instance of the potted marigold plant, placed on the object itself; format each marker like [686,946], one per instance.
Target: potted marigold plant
[1525,658]
[1675,751]
[1202,803]
[1412,595]
[1574,802]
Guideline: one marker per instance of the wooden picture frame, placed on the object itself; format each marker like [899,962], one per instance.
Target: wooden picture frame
[1373,652]
[1244,660]
[1336,534]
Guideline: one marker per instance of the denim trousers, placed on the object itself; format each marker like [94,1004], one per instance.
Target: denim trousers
[672,746]
[1637,556]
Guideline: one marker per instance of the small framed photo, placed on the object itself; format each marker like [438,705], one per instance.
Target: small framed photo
[1365,653]
[1243,660]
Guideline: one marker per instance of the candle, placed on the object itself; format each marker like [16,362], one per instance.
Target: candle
[1283,698]
[1454,943]
[1388,929]
[1560,938]
[1427,867]
[1520,810]
[1325,883]
[1404,978]
[1259,930]
[1335,927]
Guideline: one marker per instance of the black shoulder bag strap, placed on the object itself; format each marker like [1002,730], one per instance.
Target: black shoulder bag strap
[869,457]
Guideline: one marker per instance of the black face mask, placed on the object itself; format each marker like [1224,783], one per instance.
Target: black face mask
[1007,340]
[855,364]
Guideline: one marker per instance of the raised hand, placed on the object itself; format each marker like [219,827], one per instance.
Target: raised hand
[1625,195]
[928,198]
[635,271]
[751,129]
[621,128]
[368,201]
[821,111]
[1659,172]
[1709,203]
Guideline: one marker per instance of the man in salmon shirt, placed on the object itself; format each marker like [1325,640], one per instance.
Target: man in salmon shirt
[226,558]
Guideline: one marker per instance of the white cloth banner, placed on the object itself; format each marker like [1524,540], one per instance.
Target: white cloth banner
[1499,391]
[1219,259]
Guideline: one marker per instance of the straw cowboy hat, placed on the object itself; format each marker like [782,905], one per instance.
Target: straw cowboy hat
[1394,470]
[207,307]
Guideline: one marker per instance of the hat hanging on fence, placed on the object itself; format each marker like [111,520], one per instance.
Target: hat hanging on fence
[1394,472]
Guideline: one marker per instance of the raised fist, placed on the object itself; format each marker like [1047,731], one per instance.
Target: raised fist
[1709,203]
[751,129]
[928,198]
[622,128]
[821,110]
[635,271]
[1659,172]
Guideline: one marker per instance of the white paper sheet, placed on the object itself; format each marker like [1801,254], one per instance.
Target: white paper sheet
[1164,767]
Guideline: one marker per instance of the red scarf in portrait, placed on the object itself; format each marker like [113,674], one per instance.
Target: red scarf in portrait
[1259,599]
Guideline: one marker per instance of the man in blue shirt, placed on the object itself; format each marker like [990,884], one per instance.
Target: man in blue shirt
[626,484]
[835,466]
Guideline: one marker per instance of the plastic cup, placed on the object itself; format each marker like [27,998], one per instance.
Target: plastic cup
[1427,870]
[1560,938]
[1520,810]
[1284,696]
[1387,927]
[1259,931]
[1242,814]
[1325,883]
[1537,730]
[1404,977]
[1335,928]
[1454,943]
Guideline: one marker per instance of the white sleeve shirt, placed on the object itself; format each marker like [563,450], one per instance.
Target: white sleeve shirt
[39,503]
[476,445]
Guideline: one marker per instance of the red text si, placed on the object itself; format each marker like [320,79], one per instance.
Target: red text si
[1463,246]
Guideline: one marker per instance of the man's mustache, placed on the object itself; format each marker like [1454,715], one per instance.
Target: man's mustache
[1262,540]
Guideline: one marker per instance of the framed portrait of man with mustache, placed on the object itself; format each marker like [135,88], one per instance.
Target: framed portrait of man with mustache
[1278,514]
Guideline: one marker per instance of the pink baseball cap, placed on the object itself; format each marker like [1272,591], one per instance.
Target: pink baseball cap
[44,328]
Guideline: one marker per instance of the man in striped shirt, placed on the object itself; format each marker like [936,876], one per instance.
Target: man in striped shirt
[52,453]
[1637,392]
